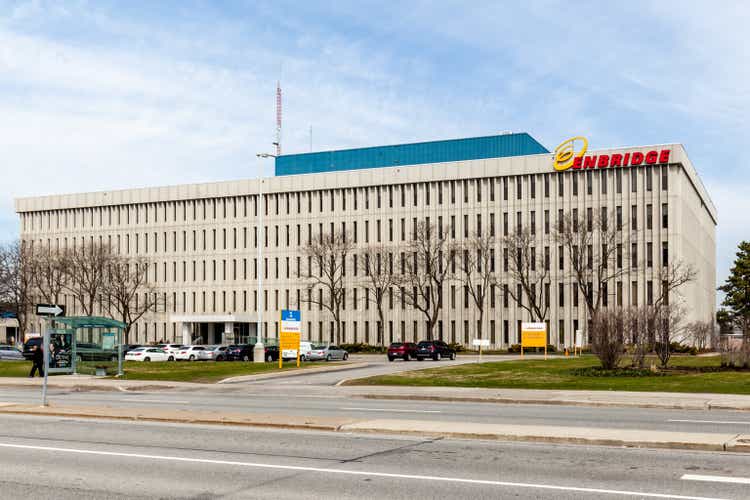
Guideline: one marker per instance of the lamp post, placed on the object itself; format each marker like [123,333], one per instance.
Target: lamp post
[259,354]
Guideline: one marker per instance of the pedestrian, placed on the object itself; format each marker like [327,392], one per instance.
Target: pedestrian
[38,362]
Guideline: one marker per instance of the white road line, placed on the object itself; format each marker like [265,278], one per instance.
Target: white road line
[728,422]
[391,410]
[716,479]
[142,400]
[321,470]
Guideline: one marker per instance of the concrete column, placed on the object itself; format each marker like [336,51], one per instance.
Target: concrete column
[211,334]
[186,337]
[229,333]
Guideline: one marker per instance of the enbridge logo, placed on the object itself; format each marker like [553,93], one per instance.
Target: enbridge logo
[566,154]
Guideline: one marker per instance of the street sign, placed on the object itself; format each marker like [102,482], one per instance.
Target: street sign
[481,342]
[50,310]
[290,332]
[534,335]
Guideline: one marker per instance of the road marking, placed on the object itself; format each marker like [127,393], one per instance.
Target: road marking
[142,400]
[321,470]
[728,422]
[716,479]
[391,410]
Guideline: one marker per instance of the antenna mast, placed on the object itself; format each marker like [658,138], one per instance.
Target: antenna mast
[278,119]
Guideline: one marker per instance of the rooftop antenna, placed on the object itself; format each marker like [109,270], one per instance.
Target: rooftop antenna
[278,119]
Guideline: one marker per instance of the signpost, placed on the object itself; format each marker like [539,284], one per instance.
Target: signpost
[578,343]
[534,335]
[47,311]
[290,331]
[480,343]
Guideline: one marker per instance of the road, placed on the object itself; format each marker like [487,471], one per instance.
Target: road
[69,459]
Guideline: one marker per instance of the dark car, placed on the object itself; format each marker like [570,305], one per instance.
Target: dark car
[404,350]
[435,349]
[240,352]
[244,352]
[30,346]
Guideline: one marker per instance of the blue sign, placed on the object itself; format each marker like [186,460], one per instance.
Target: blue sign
[291,315]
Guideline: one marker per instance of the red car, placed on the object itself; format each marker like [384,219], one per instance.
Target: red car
[404,350]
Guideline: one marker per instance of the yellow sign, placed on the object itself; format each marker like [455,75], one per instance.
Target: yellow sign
[289,341]
[533,339]
[566,154]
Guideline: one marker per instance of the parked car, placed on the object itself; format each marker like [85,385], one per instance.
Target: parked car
[435,349]
[130,347]
[215,353]
[147,354]
[405,350]
[271,353]
[30,346]
[10,353]
[93,352]
[190,353]
[240,352]
[170,349]
[304,352]
[329,353]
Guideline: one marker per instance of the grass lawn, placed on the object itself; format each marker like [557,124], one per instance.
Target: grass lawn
[560,373]
[183,371]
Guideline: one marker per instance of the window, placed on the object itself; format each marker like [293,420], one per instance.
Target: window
[532,222]
[634,255]
[575,185]
[664,171]
[649,179]
[589,182]
[519,185]
[649,254]
[664,253]
[532,186]
[664,216]
[546,185]
[560,186]
[505,223]
[634,218]
[618,181]
[649,216]
[505,188]
[561,294]
[604,179]
[633,181]
[546,220]
[618,217]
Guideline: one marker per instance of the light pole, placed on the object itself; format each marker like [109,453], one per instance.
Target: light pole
[258,351]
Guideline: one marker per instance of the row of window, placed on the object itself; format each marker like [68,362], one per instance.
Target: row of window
[383,231]
[340,199]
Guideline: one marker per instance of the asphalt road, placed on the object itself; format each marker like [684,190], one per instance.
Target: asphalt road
[332,402]
[69,459]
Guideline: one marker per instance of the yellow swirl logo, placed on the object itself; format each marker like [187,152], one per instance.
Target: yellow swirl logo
[566,154]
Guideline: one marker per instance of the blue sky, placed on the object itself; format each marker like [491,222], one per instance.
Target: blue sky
[106,95]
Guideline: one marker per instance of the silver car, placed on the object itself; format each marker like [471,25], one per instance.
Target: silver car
[327,352]
[10,353]
[214,353]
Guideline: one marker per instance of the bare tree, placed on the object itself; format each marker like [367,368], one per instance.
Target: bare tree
[425,272]
[330,253]
[668,328]
[667,309]
[378,268]
[16,282]
[530,269]
[129,294]
[86,278]
[608,336]
[701,334]
[478,271]
[592,249]
[50,271]
[639,331]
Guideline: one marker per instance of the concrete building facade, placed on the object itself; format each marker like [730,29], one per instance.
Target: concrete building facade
[202,239]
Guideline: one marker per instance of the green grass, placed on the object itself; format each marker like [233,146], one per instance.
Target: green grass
[183,371]
[565,373]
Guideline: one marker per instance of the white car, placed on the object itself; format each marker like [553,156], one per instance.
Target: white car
[10,352]
[305,348]
[191,353]
[171,350]
[146,354]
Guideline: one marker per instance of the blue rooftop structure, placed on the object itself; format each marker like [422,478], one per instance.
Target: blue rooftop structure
[472,148]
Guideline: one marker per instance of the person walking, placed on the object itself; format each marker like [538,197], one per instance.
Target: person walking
[38,362]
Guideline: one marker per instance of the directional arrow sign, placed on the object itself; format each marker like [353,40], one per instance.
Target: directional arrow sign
[50,310]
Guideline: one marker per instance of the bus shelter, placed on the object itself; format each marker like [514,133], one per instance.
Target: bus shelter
[71,340]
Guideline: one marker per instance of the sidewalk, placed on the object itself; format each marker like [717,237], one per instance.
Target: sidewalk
[526,433]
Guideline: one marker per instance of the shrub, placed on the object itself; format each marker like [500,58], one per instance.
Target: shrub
[457,347]
[360,347]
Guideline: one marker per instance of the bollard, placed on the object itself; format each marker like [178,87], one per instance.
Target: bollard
[259,353]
